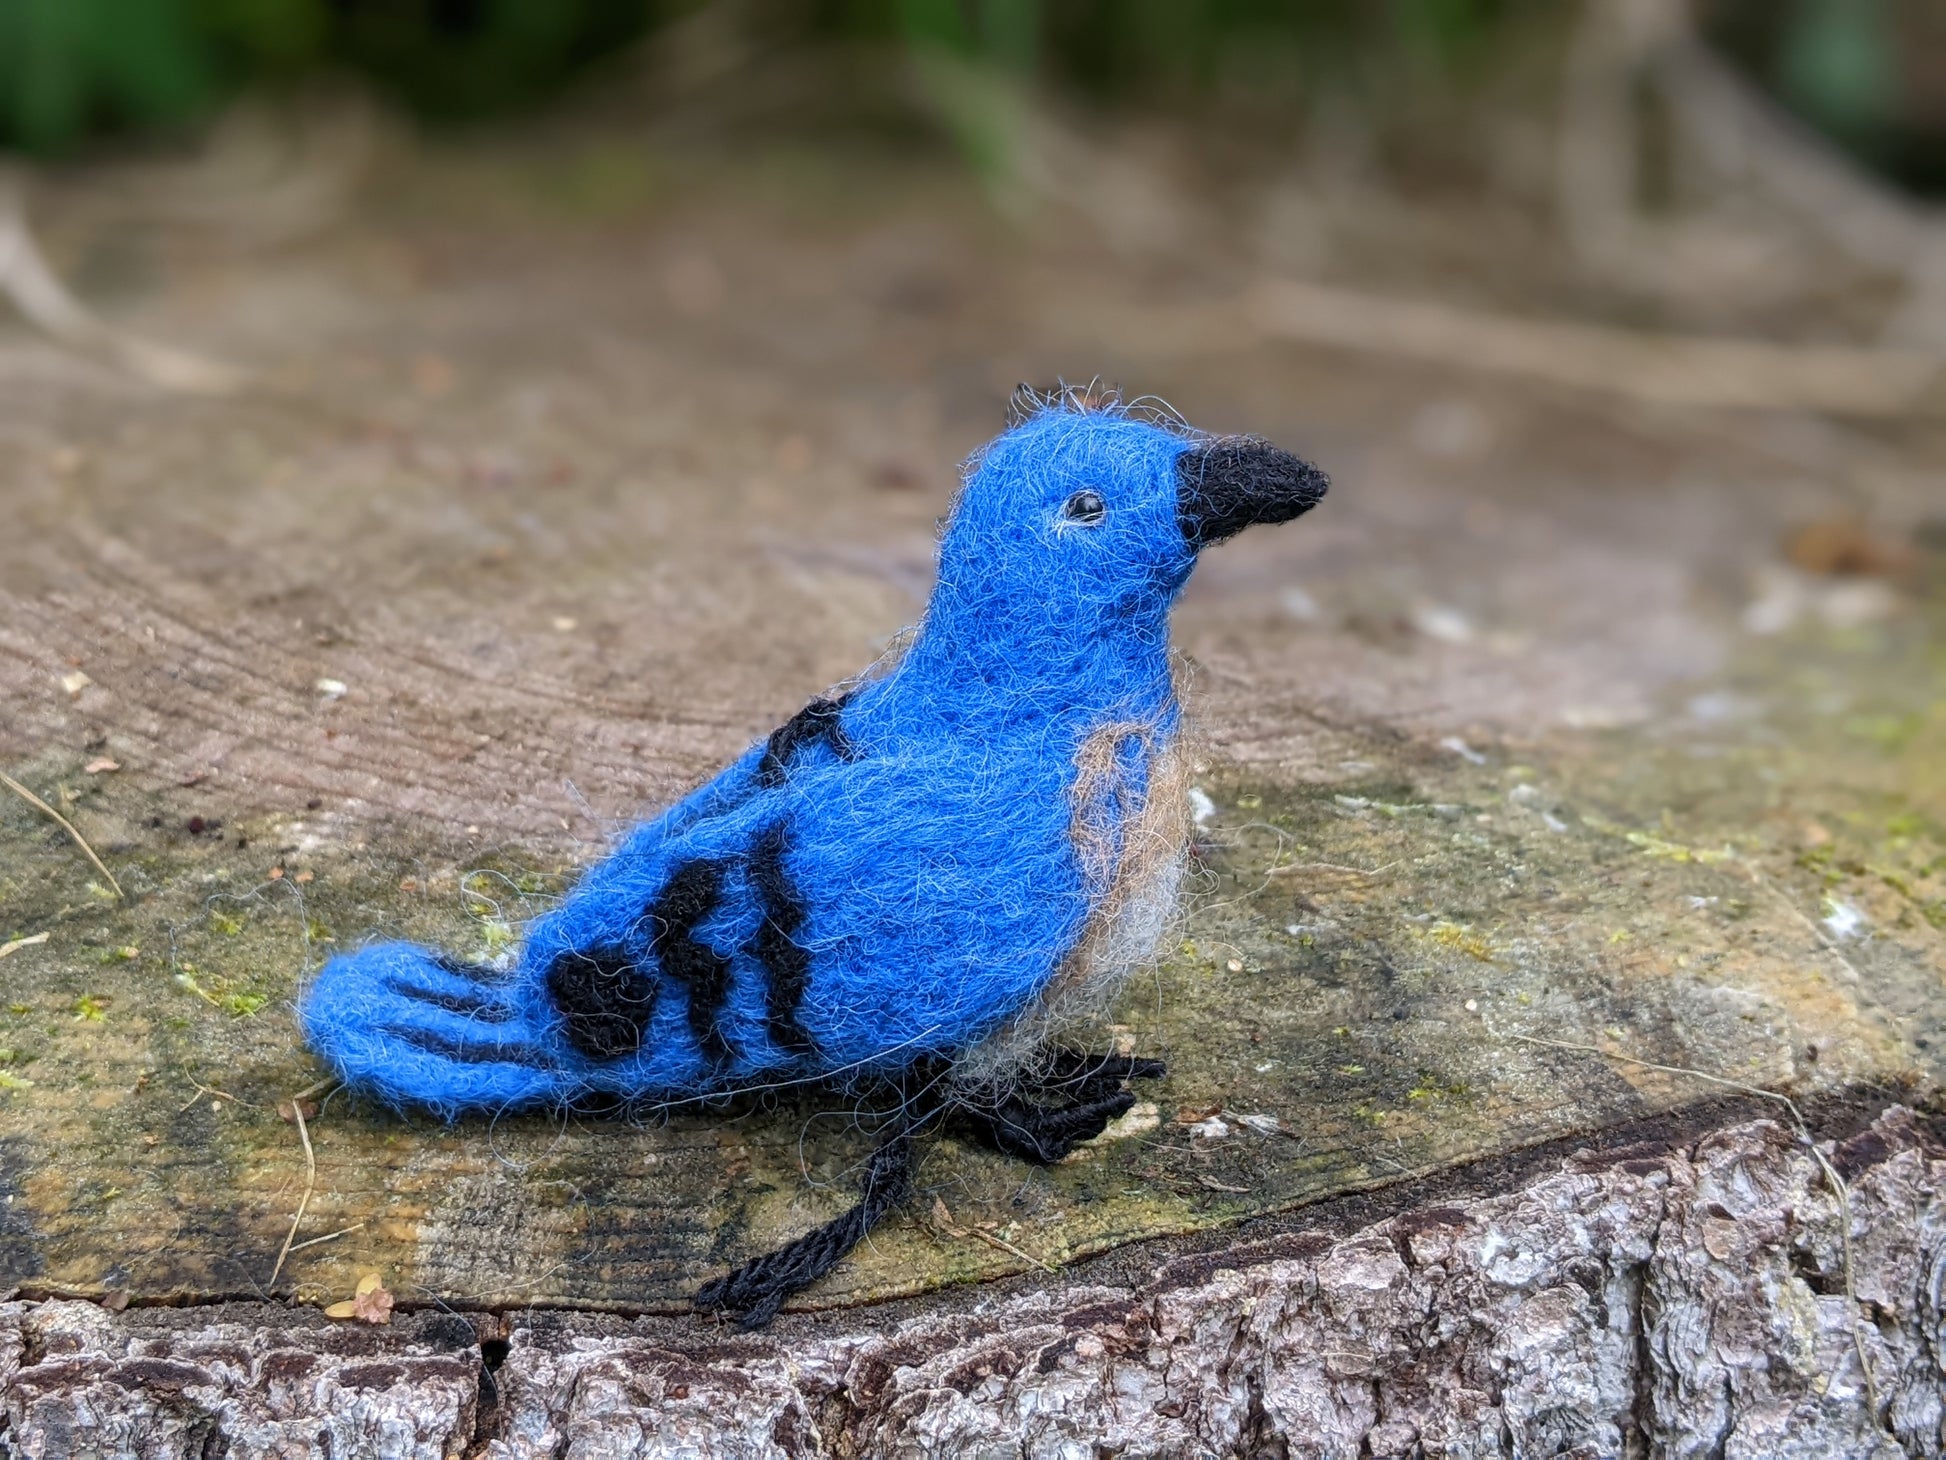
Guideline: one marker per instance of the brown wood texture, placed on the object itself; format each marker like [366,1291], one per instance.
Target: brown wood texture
[533,516]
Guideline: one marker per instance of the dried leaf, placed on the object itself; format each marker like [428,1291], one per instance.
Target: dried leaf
[943,1219]
[373,1304]
[1197,1114]
[1844,547]
[288,1114]
[115,1301]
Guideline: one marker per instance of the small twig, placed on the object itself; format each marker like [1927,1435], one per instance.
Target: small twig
[1838,1185]
[1286,868]
[512,1287]
[327,1237]
[188,982]
[14,945]
[329,1082]
[1005,1246]
[310,1184]
[209,1090]
[67,826]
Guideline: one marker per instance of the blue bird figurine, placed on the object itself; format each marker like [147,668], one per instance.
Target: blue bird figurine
[916,881]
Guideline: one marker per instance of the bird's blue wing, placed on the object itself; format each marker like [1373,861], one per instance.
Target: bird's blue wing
[852,916]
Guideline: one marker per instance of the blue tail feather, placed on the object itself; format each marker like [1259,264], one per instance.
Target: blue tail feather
[405,1025]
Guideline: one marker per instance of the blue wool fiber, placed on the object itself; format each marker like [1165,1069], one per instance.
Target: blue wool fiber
[899,874]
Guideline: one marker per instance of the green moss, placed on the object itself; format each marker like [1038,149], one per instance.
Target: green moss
[1462,939]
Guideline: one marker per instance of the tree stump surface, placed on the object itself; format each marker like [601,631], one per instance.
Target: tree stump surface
[1535,774]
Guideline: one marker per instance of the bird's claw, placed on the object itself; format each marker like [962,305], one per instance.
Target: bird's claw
[1092,1085]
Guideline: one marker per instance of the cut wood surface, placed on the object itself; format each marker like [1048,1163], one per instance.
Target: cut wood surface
[1531,763]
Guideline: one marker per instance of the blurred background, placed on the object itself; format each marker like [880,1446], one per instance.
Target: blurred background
[1620,322]
[1870,74]
[1758,165]
[589,252]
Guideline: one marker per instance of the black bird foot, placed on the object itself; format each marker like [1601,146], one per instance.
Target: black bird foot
[1019,1128]
[1092,1087]
[1082,1076]
[1091,1084]
[752,1293]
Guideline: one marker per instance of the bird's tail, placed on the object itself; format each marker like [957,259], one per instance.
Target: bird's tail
[415,1028]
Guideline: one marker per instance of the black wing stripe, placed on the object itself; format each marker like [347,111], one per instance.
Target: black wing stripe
[775,946]
[474,1006]
[821,720]
[689,896]
[461,1051]
[605,998]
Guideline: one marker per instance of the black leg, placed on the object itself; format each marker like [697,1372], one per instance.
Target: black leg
[753,1293]
[1091,1085]
[1040,1133]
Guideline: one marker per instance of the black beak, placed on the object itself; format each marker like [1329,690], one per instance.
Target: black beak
[1234,482]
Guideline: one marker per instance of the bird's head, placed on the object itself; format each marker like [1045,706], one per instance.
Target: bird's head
[1085,518]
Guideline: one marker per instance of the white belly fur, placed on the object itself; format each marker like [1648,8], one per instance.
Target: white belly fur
[1137,866]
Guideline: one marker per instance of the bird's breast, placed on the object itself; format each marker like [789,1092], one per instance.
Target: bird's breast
[1128,827]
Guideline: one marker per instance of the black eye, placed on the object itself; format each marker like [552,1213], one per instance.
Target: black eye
[1086,508]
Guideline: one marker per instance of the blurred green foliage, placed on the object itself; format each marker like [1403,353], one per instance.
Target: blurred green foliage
[1851,68]
[73,68]
[1835,64]
[1123,47]
[70,69]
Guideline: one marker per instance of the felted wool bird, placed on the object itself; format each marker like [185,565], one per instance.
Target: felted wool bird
[914,881]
